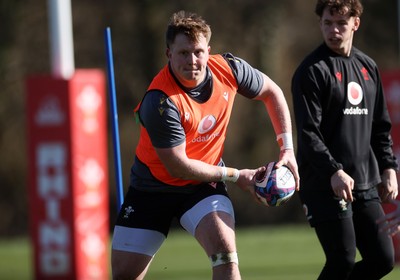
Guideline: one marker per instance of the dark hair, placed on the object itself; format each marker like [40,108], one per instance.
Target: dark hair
[189,24]
[339,6]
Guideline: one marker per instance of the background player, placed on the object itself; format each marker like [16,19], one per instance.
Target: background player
[345,156]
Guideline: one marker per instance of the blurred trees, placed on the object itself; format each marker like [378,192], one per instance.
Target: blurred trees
[271,35]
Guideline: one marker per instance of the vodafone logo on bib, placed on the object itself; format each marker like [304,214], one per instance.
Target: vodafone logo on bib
[354,93]
[206,124]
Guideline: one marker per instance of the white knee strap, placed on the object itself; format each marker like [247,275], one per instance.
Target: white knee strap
[224,258]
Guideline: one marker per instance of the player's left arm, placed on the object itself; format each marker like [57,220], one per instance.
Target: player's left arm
[381,142]
[275,102]
[254,84]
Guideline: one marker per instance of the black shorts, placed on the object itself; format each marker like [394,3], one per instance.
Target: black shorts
[156,210]
[323,206]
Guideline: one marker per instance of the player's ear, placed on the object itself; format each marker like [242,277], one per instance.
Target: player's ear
[168,53]
[357,23]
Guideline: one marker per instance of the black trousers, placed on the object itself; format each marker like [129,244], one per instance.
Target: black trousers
[341,237]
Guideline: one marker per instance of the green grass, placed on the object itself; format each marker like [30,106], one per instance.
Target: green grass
[274,252]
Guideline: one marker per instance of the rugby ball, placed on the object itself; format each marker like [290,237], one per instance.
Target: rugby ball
[275,186]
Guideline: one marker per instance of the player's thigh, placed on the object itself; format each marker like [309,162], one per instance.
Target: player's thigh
[129,265]
[337,238]
[133,250]
[216,233]
[332,219]
[371,242]
[323,206]
[208,215]
[140,230]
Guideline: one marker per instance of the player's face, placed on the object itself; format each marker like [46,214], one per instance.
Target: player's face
[338,31]
[189,59]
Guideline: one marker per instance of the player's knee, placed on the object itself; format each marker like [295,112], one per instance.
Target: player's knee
[341,266]
[384,267]
[128,265]
[379,263]
[126,274]
[120,272]
[224,258]
[389,263]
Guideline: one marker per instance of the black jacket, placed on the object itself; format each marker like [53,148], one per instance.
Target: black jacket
[341,118]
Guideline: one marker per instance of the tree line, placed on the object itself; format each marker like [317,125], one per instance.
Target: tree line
[272,35]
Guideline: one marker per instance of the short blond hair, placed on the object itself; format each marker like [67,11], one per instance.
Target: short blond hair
[189,24]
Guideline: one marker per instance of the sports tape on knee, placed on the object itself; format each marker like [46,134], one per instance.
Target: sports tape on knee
[224,258]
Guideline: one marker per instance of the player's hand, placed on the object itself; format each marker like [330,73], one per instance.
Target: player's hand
[390,223]
[388,188]
[288,158]
[342,185]
[246,180]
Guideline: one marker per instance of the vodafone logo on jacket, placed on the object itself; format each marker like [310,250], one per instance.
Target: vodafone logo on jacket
[206,124]
[354,93]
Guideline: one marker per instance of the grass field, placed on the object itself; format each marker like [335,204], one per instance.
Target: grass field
[275,253]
